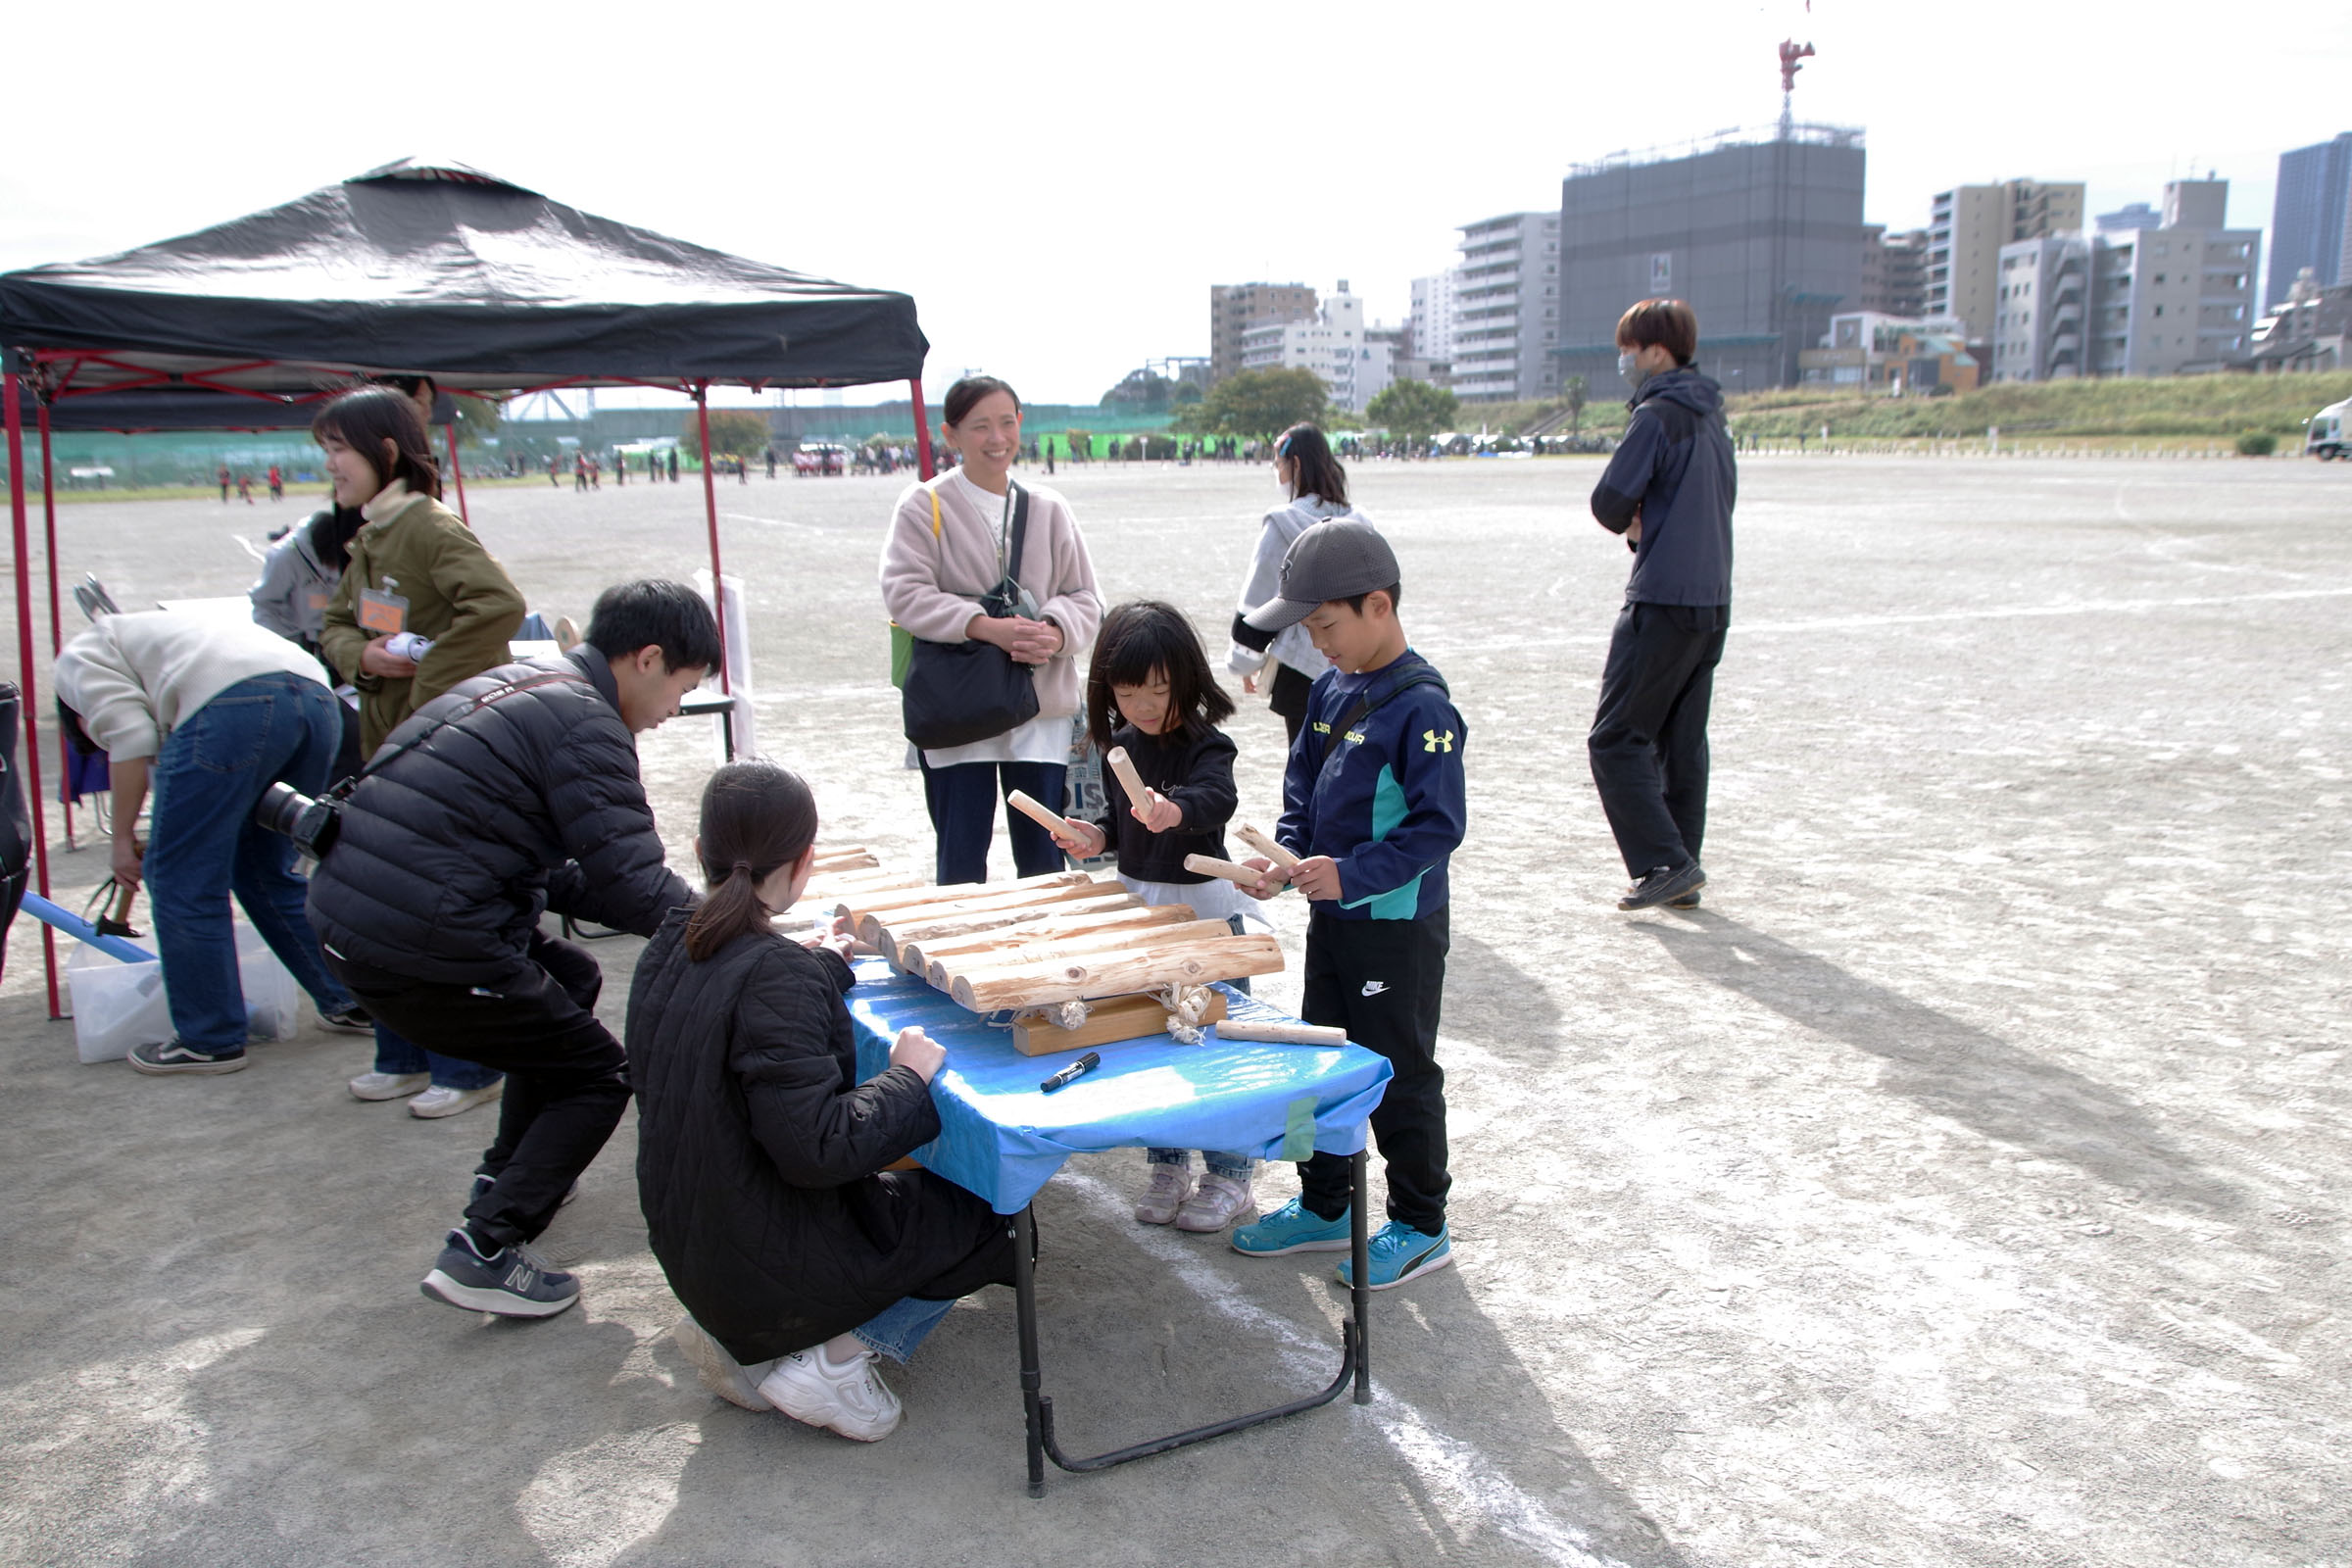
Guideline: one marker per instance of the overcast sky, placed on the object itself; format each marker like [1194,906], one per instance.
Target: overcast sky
[1059,188]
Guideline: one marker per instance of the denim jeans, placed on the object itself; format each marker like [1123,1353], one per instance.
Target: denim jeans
[400,1057]
[204,845]
[1220,1163]
[900,1327]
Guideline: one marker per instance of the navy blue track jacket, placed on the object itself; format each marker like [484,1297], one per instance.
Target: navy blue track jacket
[1387,801]
[1674,465]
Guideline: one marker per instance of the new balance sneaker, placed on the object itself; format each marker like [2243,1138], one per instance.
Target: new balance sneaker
[721,1372]
[1219,1201]
[1664,884]
[849,1398]
[1398,1252]
[172,1056]
[1170,1183]
[511,1282]
[1293,1228]
[388,1085]
[441,1100]
[353,1020]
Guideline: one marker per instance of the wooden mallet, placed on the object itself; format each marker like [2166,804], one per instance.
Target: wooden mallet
[1281,1034]
[1259,839]
[1031,806]
[1211,866]
[1138,792]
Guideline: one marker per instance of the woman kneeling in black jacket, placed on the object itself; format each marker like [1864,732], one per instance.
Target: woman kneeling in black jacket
[760,1155]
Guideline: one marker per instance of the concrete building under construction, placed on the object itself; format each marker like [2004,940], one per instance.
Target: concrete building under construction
[1761,232]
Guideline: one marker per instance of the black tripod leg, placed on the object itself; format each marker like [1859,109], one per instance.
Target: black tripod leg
[1359,1252]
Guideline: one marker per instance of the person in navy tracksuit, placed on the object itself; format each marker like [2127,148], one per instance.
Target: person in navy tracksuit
[1374,802]
[1669,489]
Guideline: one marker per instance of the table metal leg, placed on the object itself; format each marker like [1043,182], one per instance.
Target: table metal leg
[1024,1296]
[1359,1251]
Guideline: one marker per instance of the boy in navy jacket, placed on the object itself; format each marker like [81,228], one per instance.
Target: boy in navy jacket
[1373,802]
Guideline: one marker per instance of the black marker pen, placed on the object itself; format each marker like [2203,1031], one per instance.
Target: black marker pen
[1072,1073]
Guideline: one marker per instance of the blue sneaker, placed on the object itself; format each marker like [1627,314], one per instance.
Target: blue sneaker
[1399,1252]
[511,1282]
[1293,1228]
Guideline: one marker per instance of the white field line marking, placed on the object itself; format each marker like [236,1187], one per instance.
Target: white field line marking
[2079,606]
[250,547]
[1469,1486]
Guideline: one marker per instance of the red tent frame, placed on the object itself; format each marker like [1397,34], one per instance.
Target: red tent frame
[50,387]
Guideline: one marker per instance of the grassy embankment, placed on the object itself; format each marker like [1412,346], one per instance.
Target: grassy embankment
[2192,411]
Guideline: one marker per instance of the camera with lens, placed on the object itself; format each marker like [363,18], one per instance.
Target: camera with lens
[311,823]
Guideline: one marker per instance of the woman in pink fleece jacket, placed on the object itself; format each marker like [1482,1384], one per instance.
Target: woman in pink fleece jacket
[946,546]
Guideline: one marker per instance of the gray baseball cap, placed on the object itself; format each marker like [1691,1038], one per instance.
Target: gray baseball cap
[1334,560]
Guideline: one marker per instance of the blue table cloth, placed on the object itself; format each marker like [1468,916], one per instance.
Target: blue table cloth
[1003,1139]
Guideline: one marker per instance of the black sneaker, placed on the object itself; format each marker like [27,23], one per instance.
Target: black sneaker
[511,1282]
[1689,901]
[172,1056]
[350,1020]
[1661,885]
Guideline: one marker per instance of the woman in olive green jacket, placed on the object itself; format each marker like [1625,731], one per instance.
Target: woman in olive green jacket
[414,568]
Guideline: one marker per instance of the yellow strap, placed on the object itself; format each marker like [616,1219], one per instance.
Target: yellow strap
[934,514]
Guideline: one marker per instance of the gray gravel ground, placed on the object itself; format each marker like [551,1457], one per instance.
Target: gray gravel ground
[1962,1186]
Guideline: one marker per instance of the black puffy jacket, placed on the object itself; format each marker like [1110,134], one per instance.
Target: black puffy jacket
[449,852]
[760,1155]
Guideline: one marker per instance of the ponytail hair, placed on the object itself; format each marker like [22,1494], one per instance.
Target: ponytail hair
[757,820]
[1315,470]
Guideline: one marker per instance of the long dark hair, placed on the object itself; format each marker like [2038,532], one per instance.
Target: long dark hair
[364,419]
[1315,471]
[1141,639]
[757,818]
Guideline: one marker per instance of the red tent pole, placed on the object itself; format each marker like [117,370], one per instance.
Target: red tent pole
[56,638]
[456,472]
[10,388]
[719,581]
[922,426]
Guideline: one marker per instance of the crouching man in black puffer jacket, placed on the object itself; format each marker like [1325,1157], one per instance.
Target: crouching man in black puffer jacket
[520,795]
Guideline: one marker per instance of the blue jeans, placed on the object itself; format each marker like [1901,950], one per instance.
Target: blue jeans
[204,845]
[401,1056]
[900,1327]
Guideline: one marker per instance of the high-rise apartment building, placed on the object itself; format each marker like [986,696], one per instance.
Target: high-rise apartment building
[1894,272]
[1432,316]
[2311,221]
[1507,308]
[1356,363]
[1968,226]
[1761,233]
[1233,307]
[2161,301]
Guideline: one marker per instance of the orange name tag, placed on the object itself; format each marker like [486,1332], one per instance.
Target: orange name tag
[385,615]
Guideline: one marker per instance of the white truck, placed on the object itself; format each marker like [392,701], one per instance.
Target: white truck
[2324,434]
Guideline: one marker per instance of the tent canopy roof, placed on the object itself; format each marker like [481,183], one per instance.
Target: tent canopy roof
[442,270]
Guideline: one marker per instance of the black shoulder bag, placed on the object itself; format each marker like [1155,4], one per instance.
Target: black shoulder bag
[965,690]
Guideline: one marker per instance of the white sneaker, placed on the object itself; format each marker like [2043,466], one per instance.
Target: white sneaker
[388,1085]
[1221,1201]
[721,1372]
[851,1400]
[1166,1194]
[439,1101]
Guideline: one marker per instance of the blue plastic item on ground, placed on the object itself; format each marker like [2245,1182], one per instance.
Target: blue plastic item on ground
[74,926]
[1003,1139]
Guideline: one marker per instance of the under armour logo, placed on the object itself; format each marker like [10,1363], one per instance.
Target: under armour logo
[1373,987]
[1430,739]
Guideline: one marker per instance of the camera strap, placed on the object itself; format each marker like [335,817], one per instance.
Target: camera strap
[342,791]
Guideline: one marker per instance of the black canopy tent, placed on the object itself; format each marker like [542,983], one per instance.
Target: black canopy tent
[418,268]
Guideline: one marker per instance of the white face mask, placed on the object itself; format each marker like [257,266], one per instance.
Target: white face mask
[1634,374]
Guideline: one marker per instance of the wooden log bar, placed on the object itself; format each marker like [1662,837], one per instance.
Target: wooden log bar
[938,893]
[901,937]
[1259,839]
[1282,1034]
[942,972]
[917,952]
[1116,974]
[890,929]
[1138,792]
[1211,866]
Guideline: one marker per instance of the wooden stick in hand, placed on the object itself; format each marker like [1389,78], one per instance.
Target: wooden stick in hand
[1030,806]
[1138,792]
[1211,866]
[1259,839]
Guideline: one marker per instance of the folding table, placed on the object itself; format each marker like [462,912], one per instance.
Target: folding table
[1001,1138]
